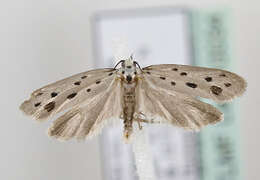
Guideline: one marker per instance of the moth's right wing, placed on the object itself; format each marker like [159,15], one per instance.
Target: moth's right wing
[174,108]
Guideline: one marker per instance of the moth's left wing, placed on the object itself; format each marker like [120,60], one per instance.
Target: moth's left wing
[67,93]
[92,97]
[87,119]
[173,108]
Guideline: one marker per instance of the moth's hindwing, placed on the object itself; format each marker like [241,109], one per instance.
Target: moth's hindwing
[88,119]
[175,108]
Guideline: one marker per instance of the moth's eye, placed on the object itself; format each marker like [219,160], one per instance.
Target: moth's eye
[135,72]
[123,72]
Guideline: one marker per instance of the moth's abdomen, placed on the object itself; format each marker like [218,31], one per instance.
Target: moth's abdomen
[128,108]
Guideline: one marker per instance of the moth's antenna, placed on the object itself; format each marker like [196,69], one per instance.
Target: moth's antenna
[136,63]
[118,63]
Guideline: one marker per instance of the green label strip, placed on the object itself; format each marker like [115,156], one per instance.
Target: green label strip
[220,156]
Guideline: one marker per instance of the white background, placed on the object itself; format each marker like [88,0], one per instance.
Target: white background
[42,41]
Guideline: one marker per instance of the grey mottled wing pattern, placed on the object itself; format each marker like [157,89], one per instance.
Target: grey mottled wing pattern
[218,85]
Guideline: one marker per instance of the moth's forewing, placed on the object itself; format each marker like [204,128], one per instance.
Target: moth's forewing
[67,93]
[218,85]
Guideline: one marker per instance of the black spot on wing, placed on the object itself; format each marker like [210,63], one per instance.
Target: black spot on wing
[37,104]
[71,95]
[83,77]
[163,78]
[216,90]
[208,79]
[183,74]
[173,83]
[50,106]
[227,84]
[54,94]
[77,83]
[97,82]
[174,69]
[222,75]
[110,74]
[88,90]
[191,85]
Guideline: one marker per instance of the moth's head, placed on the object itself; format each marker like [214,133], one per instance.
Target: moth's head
[128,69]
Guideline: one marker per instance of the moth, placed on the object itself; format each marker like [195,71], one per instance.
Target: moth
[165,93]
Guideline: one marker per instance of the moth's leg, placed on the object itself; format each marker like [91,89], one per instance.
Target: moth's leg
[141,117]
[139,123]
[140,113]
[147,121]
[137,117]
[142,120]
